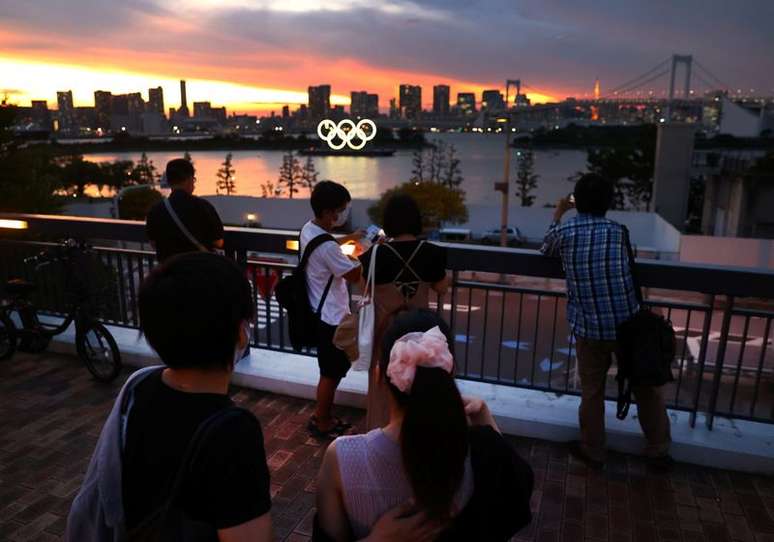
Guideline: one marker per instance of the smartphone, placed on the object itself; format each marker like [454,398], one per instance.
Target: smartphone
[373,233]
[571,199]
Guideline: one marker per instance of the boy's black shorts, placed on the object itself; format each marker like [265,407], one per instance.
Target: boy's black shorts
[333,362]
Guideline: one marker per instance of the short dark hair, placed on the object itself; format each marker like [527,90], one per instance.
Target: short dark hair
[593,194]
[179,171]
[191,307]
[402,216]
[328,196]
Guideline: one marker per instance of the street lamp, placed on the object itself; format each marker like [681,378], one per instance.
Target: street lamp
[504,186]
[252,220]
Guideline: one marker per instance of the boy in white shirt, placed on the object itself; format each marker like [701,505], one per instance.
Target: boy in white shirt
[327,273]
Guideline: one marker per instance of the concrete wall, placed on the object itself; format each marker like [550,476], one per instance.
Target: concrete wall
[734,251]
[649,231]
[672,172]
[737,121]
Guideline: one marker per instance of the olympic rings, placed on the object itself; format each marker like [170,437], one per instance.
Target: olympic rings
[329,131]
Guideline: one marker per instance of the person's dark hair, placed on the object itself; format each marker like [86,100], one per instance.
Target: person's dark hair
[191,307]
[402,216]
[434,434]
[179,171]
[328,195]
[593,194]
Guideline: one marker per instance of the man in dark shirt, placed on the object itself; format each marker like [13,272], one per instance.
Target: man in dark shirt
[227,484]
[198,216]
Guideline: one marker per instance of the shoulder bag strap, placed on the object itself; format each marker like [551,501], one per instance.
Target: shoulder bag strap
[632,265]
[180,226]
[202,434]
[370,284]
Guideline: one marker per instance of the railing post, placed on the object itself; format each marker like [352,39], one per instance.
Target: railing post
[702,357]
[719,361]
[453,300]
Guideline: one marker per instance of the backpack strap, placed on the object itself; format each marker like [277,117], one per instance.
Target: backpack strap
[203,433]
[624,398]
[308,249]
[632,266]
[180,226]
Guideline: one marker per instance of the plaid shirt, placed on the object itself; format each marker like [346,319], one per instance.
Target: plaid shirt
[600,289]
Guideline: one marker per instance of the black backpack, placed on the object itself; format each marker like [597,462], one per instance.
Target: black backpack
[293,296]
[646,347]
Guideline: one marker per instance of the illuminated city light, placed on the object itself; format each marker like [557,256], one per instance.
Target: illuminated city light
[13,224]
[346,131]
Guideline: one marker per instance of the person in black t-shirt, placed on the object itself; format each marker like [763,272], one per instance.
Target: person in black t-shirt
[197,215]
[195,312]
[407,268]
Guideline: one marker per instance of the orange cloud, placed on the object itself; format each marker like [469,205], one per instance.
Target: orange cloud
[244,81]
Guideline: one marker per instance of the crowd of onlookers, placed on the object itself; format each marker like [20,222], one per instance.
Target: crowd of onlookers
[176,460]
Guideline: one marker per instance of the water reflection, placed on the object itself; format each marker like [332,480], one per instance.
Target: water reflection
[481,159]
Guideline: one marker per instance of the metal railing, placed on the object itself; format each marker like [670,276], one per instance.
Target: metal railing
[506,308]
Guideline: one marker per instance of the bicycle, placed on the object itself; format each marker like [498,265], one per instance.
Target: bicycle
[83,272]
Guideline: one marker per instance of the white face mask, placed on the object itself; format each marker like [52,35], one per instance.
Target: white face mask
[240,352]
[343,216]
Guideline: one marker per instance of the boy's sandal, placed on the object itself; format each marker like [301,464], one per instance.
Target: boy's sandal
[338,428]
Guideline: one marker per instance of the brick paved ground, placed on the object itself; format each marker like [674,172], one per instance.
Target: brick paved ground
[51,413]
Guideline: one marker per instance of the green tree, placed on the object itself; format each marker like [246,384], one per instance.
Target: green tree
[526,179]
[226,177]
[116,174]
[629,168]
[419,171]
[270,190]
[144,171]
[437,161]
[451,176]
[309,174]
[77,173]
[137,201]
[290,175]
[439,203]
[29,178]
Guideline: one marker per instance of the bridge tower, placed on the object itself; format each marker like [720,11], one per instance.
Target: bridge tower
[686,61]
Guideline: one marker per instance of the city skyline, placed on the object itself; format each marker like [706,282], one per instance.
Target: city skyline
[257,55]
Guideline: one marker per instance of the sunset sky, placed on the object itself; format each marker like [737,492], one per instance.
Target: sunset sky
[256,55]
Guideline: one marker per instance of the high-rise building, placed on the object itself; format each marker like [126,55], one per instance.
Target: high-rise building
[492,100]
[285,111]
[40,114]
[466,104]
[202,110]
[357,103]
[183,111]
[156,100]
[102,108]
[394,111]
[441,100]
[372,106]
[319,101]
[410,101]
[64,102]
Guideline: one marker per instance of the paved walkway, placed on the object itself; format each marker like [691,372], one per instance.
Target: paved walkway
[51,413]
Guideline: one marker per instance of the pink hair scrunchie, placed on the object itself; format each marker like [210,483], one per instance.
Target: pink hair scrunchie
[418,349]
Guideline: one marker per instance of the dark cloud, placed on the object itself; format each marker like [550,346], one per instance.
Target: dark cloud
[550,44]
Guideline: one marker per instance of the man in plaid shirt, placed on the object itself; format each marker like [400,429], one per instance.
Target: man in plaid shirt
[600,296]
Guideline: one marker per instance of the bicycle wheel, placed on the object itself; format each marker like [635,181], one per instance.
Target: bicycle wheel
[7,337]
[99,351]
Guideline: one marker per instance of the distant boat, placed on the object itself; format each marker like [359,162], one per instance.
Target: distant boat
[346,152]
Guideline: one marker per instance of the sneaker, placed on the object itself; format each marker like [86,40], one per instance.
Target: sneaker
[576,450]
